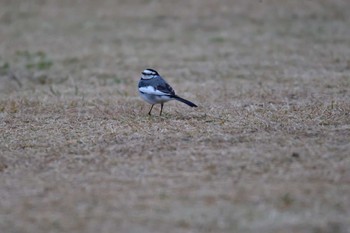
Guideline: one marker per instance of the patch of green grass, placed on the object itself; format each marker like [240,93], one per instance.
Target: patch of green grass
[287,200]
[34,60]
[4,68]
[40,65]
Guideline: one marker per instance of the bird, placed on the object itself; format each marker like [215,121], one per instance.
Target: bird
[155,90]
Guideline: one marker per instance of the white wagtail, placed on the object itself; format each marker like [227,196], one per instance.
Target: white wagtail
[155,90]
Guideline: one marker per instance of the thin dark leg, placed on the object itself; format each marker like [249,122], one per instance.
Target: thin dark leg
[149,113]
[161,109]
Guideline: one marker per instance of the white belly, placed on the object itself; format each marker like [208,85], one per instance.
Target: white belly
[155,99]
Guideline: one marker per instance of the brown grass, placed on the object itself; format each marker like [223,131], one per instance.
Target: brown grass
[267,150]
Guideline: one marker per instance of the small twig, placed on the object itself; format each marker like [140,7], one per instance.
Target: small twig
[12,76]
[54,92]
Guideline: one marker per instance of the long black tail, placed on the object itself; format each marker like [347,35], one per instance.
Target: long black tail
[189,103]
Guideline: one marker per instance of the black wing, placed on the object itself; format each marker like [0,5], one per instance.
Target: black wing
[166,88]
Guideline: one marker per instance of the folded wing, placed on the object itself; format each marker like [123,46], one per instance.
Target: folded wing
[150,90]
[161,89]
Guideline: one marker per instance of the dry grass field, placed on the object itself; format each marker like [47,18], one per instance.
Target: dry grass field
[267,150]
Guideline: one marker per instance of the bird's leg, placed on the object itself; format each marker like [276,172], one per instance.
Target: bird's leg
[149,113]
[161,109]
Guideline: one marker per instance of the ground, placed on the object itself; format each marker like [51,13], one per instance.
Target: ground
[267,150]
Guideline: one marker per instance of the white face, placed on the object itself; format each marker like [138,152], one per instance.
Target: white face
[148,74]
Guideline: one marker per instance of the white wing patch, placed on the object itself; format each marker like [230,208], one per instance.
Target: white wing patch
[151,91]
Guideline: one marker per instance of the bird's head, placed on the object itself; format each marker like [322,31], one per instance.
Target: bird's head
[148,74]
